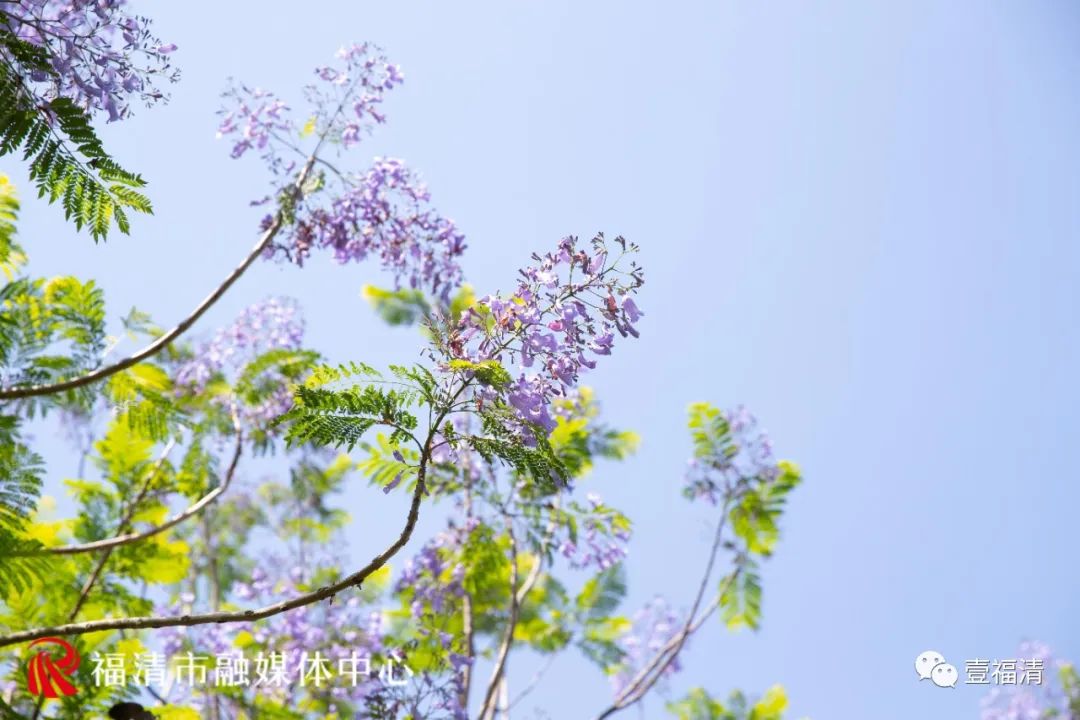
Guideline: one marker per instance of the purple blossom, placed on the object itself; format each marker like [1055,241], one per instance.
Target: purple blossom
[602,537]
[103,56]
[258,115]
[273,324]
[1031,700]
[359,83]
[431,578]
[385,214]
[336,629]
[343,107]
[393,483]
[567,307]
[653,627]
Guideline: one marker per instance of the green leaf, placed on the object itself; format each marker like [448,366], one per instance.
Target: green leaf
[10,252]
[603,593]
[488,372]
[771,706]
[397,307]
[699,705]
[340,418]
[380,465]
[67,160]
[740,597]
[20,477]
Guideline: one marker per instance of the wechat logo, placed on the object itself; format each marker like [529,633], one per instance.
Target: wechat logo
[931,666]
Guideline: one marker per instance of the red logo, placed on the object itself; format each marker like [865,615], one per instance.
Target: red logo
[45,675]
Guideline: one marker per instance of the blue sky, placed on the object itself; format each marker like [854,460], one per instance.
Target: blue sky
[858,219]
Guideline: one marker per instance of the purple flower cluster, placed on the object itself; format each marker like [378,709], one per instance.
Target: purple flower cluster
[429,578]
[385,213]
[258,115]
[312,626]
[275,323]
[653,627]
[344,105]
[103,56]
[604,541]
[566,310]
[1030,701]
[748,454]
[348,97]
[428,696]
[433,583]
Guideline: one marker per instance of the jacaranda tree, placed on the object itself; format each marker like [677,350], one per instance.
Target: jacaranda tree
[190,588]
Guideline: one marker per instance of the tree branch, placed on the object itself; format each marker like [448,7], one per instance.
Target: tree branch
[667,654]
[172,522]
[129,513]
[99,566]
[508,636]
[26,391]
[468,629]
[327,591]
[651,673]
[517,599]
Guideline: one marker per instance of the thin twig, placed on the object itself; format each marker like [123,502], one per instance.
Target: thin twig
[518,596]
[508,635]
[651,673]
[125,520]
[172,522]
[536,678]
[99,566]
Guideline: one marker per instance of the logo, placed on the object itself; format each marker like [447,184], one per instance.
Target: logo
[45,676]
[932,666]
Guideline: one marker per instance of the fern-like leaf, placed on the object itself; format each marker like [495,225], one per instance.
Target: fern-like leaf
[339,418]
[68,162]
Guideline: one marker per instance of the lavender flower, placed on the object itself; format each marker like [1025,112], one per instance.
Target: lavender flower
[257,116]
[432,579]
[1030,701]
[384,212]
[348,97]
[566,310]
[337,630]
[275,323]
[103,56]
[653,627]
[602,540]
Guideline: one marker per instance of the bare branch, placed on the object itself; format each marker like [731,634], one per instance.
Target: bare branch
[26,391]
[652,672]
[534,682]
[517,599]
[508,635]
[323,593]
[172,522]
[667,654]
